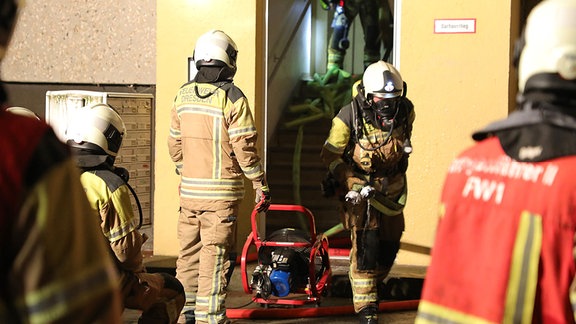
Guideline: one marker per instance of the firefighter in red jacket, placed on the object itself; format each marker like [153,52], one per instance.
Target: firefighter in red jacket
[54,262]
[504,248]
[95,136]
[366,154]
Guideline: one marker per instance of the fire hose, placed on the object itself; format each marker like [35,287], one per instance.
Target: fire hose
[316,311]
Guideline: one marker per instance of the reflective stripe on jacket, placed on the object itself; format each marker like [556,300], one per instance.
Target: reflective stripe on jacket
[504,246]
[109,197]
[212,141]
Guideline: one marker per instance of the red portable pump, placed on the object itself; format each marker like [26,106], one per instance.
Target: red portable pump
[293,265]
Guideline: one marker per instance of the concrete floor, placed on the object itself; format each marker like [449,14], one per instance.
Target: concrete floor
[336,307]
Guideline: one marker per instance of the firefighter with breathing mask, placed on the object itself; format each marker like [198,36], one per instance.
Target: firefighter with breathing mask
[367,154]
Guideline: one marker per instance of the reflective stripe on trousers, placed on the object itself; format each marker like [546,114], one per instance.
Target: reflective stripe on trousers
[206,239]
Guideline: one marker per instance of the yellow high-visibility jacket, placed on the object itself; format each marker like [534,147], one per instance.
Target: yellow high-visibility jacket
[110,199]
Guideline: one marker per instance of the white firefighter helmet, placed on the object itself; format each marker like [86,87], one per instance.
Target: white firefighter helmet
[96,130]
[8,16]
[23,111]
[549,41]
[381,79]
[215,48]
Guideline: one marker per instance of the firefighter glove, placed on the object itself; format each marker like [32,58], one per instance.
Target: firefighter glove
[353,197]
[367,192]
[263,199]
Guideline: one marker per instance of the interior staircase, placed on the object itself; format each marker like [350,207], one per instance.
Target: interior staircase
[281,171]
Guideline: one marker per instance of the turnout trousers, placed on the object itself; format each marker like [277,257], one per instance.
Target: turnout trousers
[206,240]
[366,282]
[375,240]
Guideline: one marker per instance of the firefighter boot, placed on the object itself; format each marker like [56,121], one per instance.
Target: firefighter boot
[368,315]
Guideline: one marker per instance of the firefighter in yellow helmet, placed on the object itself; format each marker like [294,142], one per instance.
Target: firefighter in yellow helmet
[212,141]
[366,154]
[95,136]
[504,246]
[54,263]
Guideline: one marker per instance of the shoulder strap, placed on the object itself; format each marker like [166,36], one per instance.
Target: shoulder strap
[112,180]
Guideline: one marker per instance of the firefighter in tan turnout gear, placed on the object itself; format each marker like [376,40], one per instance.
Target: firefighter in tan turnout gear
[212,141]
[367,156]
[95,137]
[54,262]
